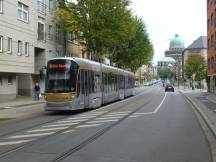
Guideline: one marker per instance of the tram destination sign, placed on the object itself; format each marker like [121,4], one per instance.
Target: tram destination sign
[59,66]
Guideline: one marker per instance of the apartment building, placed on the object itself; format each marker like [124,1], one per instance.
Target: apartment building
[27,40]
[211,27]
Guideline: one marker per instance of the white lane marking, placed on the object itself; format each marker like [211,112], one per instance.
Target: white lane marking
[142,113]
[70,121]
[115,115]
[48,129]
[123,112]
[159,106]
[134,116]
[97,112]
[31,135]
[68,131]
[14,142]
[101,121]
[89,125]
[59,125]
[88,115]
[149,113]
[107,118]
[84,117]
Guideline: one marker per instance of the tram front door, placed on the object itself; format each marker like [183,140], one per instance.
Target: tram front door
[85,87]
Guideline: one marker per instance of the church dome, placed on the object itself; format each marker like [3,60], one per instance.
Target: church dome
[176,43]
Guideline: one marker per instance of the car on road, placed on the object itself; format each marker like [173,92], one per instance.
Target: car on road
[169,88]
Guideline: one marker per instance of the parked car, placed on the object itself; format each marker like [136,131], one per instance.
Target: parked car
[169,88]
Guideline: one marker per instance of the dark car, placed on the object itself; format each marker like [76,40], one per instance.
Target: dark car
[169,88]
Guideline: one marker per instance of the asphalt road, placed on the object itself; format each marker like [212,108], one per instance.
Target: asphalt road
[152,126]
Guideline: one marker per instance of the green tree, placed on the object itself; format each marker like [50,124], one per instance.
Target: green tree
[107,28]
[196,66]
[137,50]
[98,27]
[166,73]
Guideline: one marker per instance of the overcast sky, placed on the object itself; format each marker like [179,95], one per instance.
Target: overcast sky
[165,18]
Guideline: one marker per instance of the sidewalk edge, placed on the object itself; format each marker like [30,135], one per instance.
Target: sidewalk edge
[22,105]
[205,118]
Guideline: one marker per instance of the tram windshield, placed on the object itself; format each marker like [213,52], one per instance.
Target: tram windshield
[61,76]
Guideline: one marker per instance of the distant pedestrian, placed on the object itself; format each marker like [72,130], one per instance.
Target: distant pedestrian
[37,91]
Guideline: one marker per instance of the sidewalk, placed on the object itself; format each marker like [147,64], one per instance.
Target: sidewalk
[19,102]
[205,104]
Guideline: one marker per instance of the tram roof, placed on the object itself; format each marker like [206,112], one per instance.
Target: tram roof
[90,63]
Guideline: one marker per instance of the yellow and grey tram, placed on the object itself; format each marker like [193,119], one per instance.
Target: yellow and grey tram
[77,83]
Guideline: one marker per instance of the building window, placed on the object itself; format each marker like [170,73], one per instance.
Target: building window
[41,6]
[1,43]
[50,32]
[26,49]
[19,47]
[212,20]
[1,6]
[23,12]
[212,63]
[215,64]
[9,49]
[212,40]
[208,24]
[209,62]
[41,31]
[57,35]
[10,80]
[1,82]
[70,36]
[51,6]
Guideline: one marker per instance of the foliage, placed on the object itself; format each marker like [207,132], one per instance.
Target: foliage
[196,64]
[137,50]
[106,28]
[166,73]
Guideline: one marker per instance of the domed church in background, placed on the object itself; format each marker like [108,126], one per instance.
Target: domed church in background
[176,49]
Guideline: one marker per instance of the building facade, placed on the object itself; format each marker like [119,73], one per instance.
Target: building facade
[166,62]
[27,40]
[176,48]
[198,47]
[211,28]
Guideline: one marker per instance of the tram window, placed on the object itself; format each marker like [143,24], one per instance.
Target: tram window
[122,82]
[86,82]
[91,81]
[82,80]
[105,82]
[78,84]
[92,77]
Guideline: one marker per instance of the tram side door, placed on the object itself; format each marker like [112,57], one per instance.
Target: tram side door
[85,87]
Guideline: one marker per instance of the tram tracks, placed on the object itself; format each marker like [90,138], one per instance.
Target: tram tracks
[94,137]
[128,102]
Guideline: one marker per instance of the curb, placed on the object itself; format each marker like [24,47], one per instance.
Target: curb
[202,114]
[21,105]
